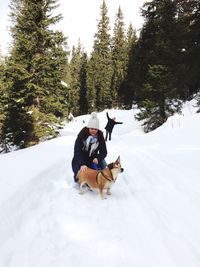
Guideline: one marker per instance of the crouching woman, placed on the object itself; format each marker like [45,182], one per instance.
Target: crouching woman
[89,148]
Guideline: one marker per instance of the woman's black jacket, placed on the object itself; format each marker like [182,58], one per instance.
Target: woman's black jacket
[81,156]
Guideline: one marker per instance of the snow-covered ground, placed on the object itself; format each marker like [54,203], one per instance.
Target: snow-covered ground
[151,219]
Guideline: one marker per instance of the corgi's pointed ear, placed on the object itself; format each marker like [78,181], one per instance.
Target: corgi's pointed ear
[118,159]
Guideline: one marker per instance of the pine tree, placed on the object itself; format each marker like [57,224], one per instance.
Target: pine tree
[194,49]
[83,103]
[186,69]
[77,81]
[2,101]
[100,66]
[156,58]
[74,81]
[139,58]
[91,81]
[159,102]
[119,57]
[34,71]
[127,89]
[131,40]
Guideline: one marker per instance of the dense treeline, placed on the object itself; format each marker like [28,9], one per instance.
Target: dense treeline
[35,98]
[164,67]
[40,85]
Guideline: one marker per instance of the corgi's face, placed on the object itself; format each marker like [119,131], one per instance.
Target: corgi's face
[116,166]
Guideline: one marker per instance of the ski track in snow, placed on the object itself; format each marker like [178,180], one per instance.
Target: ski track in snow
[51,208]
[62,226]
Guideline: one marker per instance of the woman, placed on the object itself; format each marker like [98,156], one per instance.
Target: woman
[90,148]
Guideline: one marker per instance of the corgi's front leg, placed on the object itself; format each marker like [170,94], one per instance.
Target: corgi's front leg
[101,193]
[81,188]
[108,191]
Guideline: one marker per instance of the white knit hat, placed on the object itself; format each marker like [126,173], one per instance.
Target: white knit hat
[93,121]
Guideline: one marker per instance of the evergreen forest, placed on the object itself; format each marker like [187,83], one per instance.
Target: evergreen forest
[42,82]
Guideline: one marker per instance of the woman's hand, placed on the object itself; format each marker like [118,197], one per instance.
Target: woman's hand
[95,161]
[83,168]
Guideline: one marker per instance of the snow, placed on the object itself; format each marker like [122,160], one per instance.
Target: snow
[151,219]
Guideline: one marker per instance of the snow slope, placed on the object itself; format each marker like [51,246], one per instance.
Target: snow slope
[151,219]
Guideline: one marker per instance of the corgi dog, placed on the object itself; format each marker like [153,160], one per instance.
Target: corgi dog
[100,179]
